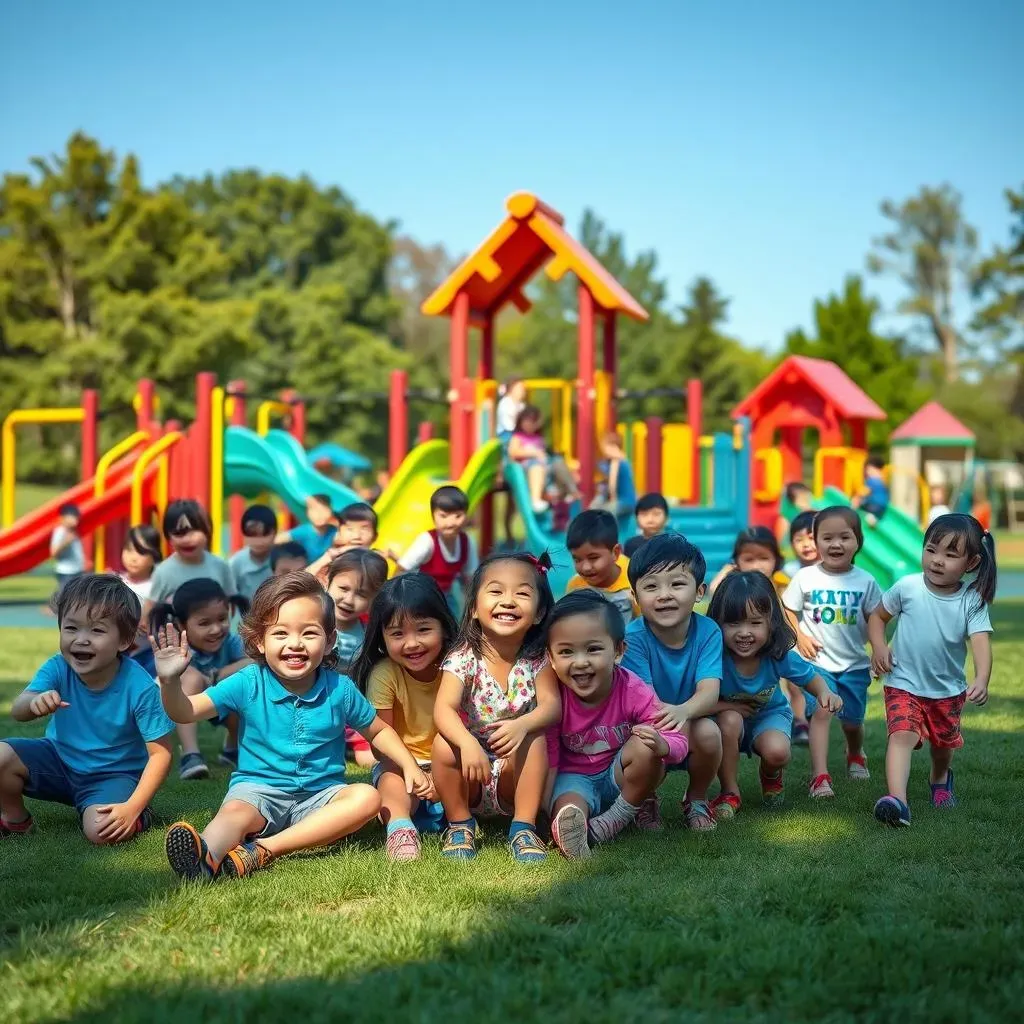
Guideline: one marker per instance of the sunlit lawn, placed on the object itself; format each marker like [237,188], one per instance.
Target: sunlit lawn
[811,913]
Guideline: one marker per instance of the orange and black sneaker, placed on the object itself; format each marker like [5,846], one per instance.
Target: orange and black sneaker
[187,854]
[773,792]
[244,859]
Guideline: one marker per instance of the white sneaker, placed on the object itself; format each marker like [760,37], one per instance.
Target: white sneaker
[540,507]
[857,768]
[569,831]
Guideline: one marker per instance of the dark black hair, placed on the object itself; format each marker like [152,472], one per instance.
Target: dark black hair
[358,512]
[70,509]
[588,602]
[191,513]
[801,522]
[595,526]
[470,633]
[528,412]
[762,537]
[667,551]
[449,498]
[629,549]
[975,541]
[188,598]
[743,592]
[876,462]
[652,501]
[261,516]
[848,515]
[370,566]
[322,499]
[795,488]
[145,540]
[289,549]
[412,595]
[102,595]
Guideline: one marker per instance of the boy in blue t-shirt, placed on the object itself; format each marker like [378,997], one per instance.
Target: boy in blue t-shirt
[316,535]
[874,497]
[107,747]
[679,652]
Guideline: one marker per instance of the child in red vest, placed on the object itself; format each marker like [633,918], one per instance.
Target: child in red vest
[446,553]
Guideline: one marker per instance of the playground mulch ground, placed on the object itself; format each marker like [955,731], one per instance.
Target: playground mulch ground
[814,912]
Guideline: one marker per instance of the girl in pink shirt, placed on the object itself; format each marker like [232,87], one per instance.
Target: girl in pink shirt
[605,755]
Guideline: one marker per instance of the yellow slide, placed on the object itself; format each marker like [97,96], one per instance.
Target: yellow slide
[403,510]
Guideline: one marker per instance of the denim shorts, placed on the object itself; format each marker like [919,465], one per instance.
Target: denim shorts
[600,790]
[778,718]
[852,686]
[427,817]
[49,778]
[281,809]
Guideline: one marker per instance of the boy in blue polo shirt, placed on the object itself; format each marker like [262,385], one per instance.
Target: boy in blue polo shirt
[289,791]
[680,654]
[107,747]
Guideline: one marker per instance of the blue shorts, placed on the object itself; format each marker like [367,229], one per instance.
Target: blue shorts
[779,718]
[600,790]
[280,808]
[852,686]
[427,817]
[49,778]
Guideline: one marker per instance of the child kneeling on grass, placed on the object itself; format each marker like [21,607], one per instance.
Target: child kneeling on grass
[752,712]
[289,791]
[107,747]
[410,632]
[605,756]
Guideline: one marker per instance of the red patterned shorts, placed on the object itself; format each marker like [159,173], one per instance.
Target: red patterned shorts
[936,720]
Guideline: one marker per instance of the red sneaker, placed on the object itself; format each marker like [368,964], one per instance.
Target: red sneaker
[773,791]
[725,805]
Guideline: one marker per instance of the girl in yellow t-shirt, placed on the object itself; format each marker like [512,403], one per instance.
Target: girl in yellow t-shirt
[410,632]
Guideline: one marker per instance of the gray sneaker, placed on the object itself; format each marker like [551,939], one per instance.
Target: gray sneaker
[193,767]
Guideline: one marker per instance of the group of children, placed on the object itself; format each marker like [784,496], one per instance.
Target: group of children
[566,715]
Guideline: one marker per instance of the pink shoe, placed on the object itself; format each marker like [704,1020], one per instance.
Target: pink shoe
[648,818]
[403,844]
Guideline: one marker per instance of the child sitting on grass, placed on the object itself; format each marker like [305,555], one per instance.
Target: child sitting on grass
[679,652]
[752,712]
[251,566]
[202,610]
[605,756]
[496,699]
[411,631]
[140,554]
[107,747]
[289,791]
[593,542]
[938,611]
[651,519]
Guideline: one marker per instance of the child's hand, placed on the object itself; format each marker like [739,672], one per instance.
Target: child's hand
[881,661]
[807,646]
[417,782]
[430,796]
[476,765]
[651,738]
[977,693]
[116,821]
[671,718]
[170,653]
[744,707]
[831,702]
[46,703]
[505,738]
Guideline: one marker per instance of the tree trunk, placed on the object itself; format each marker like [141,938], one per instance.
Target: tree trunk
[946,336]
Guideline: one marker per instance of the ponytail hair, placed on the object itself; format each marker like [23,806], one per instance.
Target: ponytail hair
[970,539]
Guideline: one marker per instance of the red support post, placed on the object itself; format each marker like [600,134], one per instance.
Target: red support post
[90,445]
[485,369]
[200,438]
[654,439]
[585,395]
[145,416]
[459,363]
[398,420]
[610,365]
[237,503]
[296,415]
[695,417]
[424,432]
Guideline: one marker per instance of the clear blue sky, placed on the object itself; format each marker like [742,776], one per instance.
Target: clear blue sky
[748,141]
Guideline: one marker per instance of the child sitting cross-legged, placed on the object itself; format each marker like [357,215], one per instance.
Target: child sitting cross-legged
[752,712]
[593,542]
[289,791]
[410,632]
[107,747]
[606,756]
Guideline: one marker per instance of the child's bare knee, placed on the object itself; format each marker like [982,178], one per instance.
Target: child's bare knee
[775,755]
[363,798]
[705,737]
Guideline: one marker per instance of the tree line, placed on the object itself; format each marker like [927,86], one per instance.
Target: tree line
[286,283]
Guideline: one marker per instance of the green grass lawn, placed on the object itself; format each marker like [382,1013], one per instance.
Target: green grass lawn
[809,913]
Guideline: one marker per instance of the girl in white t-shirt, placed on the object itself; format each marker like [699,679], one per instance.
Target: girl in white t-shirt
[139,556]
[829,604]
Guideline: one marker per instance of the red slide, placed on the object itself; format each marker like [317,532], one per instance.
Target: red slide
[27,543]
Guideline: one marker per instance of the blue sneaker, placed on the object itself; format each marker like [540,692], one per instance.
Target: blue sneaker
[942,793]
[459,843]
[526,847]
[890,811]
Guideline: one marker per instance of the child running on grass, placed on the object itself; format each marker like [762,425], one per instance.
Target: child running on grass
[289,791]
[679,652]
[833,600]
[497,697]
[752,711]
[606,756]
[938,611]
[107,747]
[202,610]
[411,631]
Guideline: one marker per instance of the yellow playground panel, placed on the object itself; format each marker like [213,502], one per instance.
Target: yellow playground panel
[676,458]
